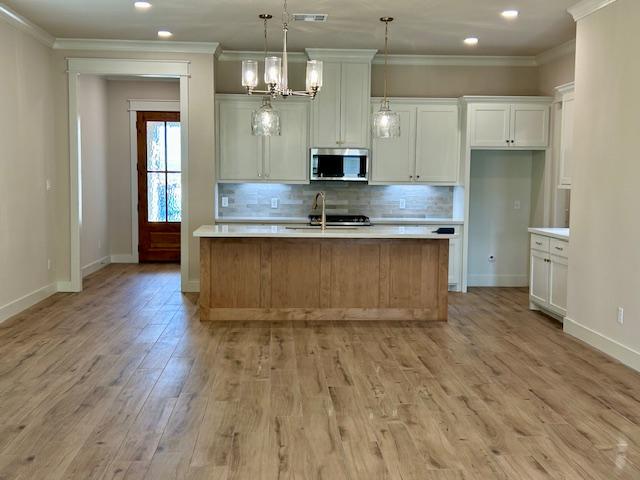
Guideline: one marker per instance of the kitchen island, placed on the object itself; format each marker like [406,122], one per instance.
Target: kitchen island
[297,272]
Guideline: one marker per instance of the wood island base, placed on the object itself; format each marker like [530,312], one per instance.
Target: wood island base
[328,279]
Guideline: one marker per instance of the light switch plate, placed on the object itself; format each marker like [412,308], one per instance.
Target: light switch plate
[225,201]
[274,202]
[403,204]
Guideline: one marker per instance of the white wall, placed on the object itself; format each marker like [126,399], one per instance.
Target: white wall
[498,180]
[604,266]
[94,230]
[27,160]
[119,92]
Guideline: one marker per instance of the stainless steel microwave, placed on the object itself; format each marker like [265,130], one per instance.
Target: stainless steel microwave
[342,164]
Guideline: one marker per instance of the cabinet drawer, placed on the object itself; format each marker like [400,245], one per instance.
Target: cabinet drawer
[559,248]
[538,242]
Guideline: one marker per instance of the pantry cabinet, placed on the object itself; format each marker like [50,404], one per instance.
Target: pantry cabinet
[243,157]
[428,149]
[549,274]
[340,112]
[567,104]
[498,124]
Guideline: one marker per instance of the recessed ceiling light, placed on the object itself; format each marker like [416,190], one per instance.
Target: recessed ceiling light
[471,41]
[165,34]
[142,5]
[510,14]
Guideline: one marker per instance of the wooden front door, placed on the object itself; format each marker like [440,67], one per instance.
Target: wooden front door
[159,186]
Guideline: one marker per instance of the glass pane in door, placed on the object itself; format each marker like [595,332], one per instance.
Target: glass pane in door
[156,146]
[156,197]
[173,147]
[174,197]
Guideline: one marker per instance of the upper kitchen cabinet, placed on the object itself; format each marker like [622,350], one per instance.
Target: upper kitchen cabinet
[340,112]
[243,157]
[428,149]
[566,94]
[521,122]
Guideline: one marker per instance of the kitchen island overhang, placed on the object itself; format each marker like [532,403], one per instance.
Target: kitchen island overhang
[278,272]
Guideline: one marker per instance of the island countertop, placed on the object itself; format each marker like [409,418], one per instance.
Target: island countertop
[235,230]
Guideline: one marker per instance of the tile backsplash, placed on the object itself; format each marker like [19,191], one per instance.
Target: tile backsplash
[254,200]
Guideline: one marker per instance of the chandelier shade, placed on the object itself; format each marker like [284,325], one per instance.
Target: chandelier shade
[386,123]
[265,121]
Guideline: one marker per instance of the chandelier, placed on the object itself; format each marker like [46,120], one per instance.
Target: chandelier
[386,124]
[266,121]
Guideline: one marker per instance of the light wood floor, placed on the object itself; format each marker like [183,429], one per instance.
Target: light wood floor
[123,381]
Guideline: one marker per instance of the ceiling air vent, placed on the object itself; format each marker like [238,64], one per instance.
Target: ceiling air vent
[310,17]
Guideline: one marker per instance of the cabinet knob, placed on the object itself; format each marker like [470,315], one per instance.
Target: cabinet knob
[417,176]
[411,177]
[507,141]
[259,175]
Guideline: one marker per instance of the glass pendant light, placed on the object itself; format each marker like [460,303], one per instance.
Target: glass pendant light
[386,123]
[265,121]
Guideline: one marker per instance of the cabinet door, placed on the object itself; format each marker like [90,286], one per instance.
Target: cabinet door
[325,109]
[558,269]
[455,259]
[355,99]
[286,157]
[240,152]
[529,125]
[393,159]
[437,144]
[489,124]
[566,140]
[539,281]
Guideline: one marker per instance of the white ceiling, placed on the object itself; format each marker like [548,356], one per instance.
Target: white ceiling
[421,26]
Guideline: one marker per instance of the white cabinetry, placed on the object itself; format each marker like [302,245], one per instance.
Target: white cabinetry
[243,157]
[428,149]
[499,124]
[340,112]
[567,104]
[549,268]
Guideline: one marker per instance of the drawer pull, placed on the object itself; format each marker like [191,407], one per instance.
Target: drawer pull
[539,243]
[559,248]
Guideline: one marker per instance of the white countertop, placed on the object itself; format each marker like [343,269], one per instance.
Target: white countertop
[559,233]
[375,221]
[237,230]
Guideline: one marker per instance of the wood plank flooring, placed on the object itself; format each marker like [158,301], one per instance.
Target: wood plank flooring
[123,381]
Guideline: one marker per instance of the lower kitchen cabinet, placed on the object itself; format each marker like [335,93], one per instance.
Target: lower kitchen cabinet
[549,272]
[243,157]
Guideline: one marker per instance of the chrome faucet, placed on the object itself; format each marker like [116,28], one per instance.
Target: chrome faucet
[323,218]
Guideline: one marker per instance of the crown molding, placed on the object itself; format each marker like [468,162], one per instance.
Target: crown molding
[135,45]
[22,23]
[566,88]
[587,7]
[556,52]
[238,56]
[508,99]
[457,60]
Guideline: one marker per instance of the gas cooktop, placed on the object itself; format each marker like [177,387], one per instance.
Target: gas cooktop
[341,220]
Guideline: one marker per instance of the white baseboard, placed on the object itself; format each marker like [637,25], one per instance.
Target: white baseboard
[192,286]
[626,355]
[64,286]
[95,266]
[124,259]
[28,300]
[497,280]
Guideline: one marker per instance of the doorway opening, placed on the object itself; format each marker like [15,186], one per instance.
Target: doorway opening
[159,186]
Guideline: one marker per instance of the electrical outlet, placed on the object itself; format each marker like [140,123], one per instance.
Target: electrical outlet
[403,204]
[492,259]
[49,264]
[621,315]
[274,202]
[47,184]
[516,205]
[225,201]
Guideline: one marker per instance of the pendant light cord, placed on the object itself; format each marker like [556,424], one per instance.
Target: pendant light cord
[266,45]
[386,52]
